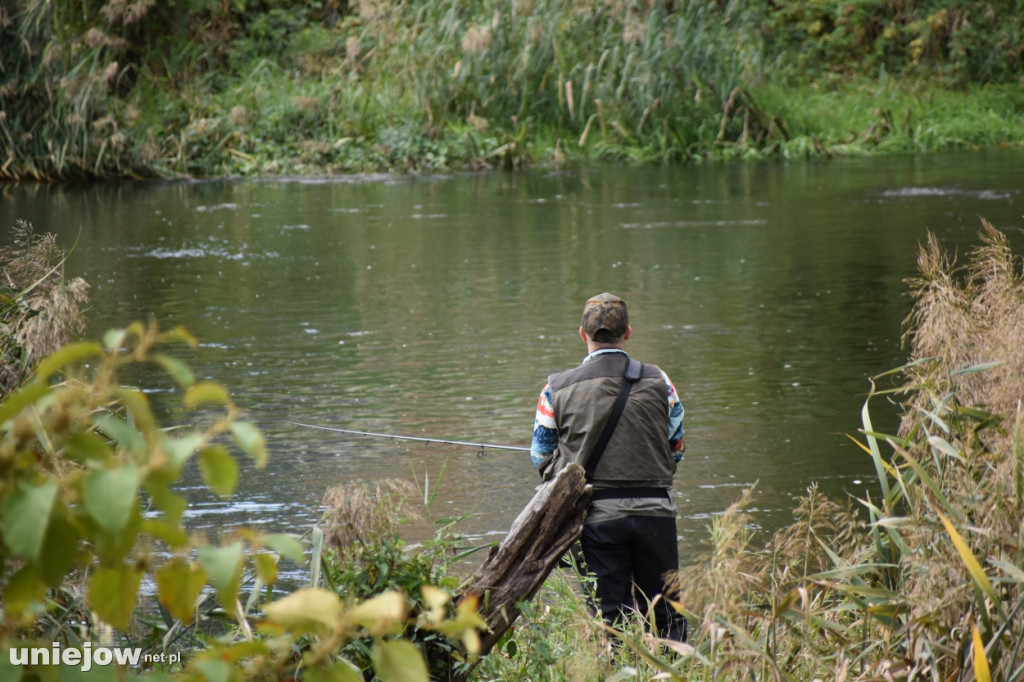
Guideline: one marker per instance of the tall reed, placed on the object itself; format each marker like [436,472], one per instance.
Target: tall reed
[930,587]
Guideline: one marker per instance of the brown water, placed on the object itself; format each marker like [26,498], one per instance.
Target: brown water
[436,306]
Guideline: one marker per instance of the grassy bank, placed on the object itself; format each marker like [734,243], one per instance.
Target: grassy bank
[117,88]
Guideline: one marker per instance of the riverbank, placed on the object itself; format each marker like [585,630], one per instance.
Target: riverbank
[130,90]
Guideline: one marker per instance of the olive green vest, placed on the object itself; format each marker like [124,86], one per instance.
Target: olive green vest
[639,451]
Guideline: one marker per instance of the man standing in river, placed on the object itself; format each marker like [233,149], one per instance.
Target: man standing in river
[629,535]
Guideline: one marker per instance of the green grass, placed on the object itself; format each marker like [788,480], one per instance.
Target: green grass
[279,87]
[889,116]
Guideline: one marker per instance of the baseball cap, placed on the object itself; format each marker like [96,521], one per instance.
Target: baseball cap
[605,318]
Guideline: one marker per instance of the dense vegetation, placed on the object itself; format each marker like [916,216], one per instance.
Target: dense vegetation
[109,88]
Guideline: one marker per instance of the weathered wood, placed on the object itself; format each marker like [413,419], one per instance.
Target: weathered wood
[513,571]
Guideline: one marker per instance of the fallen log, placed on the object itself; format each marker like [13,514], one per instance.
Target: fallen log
[514,570]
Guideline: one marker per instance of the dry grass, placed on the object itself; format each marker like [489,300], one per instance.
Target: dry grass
[357,513]
[966,316]
[40,310]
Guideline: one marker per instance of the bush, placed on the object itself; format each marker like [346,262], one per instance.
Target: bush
[89,513]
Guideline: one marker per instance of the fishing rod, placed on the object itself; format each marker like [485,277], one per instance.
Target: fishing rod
[372,434]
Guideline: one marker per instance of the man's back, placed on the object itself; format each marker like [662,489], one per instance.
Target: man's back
[582,400]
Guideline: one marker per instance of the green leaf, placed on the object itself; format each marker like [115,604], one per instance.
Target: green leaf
[11,672]
[220,472]
[182,334]
[178,370]
[112,592]
[928,480]
[381,614]
[266,567]
[65,356]
[214,670]
[251,441]
[113,339]
[121,432]
[22,398]
[206,392]
[26,513]
[224,567]
[168,532]
[399,661]
[286,545]
[179,584]
[307,610]
[23,589]
[137,405]
[943,446]
[873,449]
[341,671]
[180,449]
[60,548]
[112,548]
[166,500]
[110,496]
[1012,571]
[242,651]
[89,445]
[974,369]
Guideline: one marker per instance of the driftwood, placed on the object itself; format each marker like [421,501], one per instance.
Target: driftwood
[513,571]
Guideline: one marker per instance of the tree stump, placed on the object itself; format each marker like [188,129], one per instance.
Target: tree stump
[513,571]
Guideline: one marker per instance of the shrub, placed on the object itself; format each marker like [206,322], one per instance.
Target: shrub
[90,512]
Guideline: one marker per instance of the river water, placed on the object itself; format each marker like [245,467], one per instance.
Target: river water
[436,306]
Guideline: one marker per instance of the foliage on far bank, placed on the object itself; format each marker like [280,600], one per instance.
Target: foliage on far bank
[134,88]
[952,42]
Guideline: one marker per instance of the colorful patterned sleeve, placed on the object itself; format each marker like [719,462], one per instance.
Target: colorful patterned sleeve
[545,435]
[675,420]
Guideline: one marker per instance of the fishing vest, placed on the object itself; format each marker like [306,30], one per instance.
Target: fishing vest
[639,450]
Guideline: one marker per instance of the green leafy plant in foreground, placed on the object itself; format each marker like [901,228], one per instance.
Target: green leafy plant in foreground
[86,486]
[88,511]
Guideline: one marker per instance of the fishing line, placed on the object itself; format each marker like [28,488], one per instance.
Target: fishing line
[480,446]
